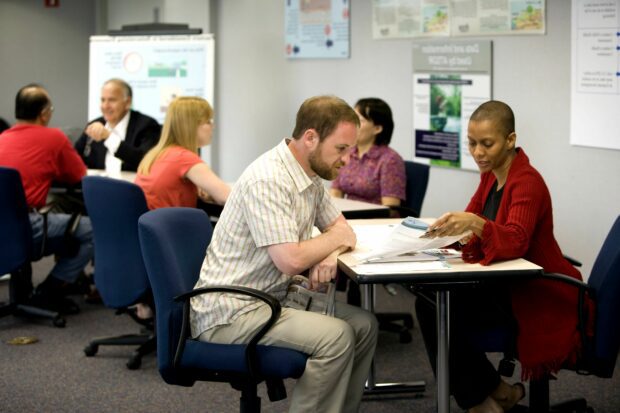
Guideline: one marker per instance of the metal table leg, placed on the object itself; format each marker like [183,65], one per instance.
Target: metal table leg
[443,351]
[372,387]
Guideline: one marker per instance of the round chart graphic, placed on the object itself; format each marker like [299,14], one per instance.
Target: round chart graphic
[132,62]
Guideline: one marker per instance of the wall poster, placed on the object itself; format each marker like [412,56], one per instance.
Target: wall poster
[316,29]
[437,18]
[450,80]
[595,80]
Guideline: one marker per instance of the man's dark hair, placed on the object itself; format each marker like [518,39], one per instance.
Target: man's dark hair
[497,112]
[30,102]
[323,114]
[377,111]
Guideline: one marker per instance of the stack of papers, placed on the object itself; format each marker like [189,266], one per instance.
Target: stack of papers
[402,243]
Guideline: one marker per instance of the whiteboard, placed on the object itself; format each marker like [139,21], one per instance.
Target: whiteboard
[158,68]
[595,74]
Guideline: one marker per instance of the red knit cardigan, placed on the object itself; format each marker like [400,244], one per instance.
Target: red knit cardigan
[545,311]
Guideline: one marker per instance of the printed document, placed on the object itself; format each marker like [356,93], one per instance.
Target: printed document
[378,243]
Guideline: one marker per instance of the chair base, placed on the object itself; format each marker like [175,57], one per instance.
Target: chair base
[20,288]
[147,343]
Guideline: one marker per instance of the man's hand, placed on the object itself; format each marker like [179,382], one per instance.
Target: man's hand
[97,131]
[324,271]
[345,233]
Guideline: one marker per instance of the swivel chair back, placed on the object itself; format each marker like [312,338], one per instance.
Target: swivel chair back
[114,207]
[417,182]
[16,249]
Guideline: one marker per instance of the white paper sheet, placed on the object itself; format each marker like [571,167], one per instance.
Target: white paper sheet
[378,242]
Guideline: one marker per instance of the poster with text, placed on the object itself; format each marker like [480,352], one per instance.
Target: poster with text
[440,18]
[409,18]
[483,17]
[595,79]
[316,29]
[450,80]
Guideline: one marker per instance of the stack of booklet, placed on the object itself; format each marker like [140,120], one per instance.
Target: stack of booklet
[405,242]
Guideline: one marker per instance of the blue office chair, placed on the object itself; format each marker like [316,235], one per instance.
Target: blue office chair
[114,207]
[599,352]
[16,249]
[174,241]
[415,190]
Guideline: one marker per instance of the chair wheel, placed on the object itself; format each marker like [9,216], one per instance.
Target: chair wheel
[134,363]
[59,322]
[90,350]
[405,337]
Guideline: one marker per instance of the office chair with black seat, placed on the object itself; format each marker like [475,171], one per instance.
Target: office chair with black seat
[114,207]
[417,182]
[600,351]
[174,241]
[16,249]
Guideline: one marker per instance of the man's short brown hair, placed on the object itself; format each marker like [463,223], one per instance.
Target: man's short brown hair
[323,114]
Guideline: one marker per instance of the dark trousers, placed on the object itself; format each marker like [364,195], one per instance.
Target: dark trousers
[472,310]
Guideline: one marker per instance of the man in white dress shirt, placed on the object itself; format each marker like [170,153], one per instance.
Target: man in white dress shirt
[121,137]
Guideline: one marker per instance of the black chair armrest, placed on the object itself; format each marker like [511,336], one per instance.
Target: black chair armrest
[572,261]
[71,245]
[44,211]
[46,208]
[568,280]
[582,316]
[250,352]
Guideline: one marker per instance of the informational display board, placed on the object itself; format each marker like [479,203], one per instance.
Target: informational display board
[450,80]
[158,68]
[437,18]
[316,29]
[595,81]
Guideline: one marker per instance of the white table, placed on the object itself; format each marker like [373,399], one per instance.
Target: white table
[359,210]
[442,281]
[124,175]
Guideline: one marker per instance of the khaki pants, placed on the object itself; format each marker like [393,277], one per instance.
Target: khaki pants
[341,349]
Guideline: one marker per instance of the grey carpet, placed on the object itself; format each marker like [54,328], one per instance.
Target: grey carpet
[54,375]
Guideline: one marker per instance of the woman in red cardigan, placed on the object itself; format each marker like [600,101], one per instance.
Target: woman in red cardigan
[509,216]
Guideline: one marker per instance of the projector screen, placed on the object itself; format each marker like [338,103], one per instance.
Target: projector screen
[158,68]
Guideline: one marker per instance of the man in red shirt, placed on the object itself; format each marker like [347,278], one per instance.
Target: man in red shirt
[44,155]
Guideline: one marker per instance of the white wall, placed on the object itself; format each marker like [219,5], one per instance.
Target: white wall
[48,46]
[258,92]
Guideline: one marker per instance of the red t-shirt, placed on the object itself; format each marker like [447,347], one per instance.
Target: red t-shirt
[42,155]
[166,185]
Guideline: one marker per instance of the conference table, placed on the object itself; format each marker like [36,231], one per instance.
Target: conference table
[455,273]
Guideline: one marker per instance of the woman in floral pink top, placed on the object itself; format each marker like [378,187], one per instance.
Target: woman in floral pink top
[375,173]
